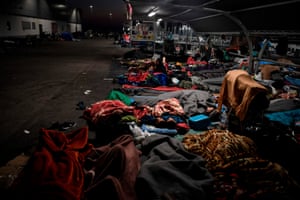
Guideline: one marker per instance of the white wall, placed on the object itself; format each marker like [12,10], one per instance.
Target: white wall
[21,26]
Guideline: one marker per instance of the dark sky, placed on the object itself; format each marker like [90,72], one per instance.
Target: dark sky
[104,16]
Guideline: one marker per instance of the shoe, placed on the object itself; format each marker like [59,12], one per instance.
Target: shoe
[67,125]
[80,106]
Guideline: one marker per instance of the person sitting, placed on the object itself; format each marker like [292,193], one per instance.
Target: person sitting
[159,66]
[190,61]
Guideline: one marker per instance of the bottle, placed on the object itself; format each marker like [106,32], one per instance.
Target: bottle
[224,120]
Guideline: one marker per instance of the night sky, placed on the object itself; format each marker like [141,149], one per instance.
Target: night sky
[104,16]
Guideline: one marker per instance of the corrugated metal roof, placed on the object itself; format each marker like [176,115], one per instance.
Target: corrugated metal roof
[224,15]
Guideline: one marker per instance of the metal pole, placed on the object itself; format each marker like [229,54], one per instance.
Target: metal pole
[246,32]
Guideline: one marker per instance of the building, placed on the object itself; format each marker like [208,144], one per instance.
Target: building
[23,19]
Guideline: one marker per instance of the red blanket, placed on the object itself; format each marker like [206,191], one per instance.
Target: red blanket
[55,171]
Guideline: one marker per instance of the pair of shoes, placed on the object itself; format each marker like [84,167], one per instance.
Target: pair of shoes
[67,125]
[62,127]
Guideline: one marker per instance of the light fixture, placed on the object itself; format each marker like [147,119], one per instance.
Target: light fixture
[158,21]
[153,12]
[59,5]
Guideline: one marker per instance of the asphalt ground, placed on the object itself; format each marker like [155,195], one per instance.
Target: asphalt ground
[42,84]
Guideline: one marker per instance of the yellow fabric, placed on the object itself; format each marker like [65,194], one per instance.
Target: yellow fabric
[237,91]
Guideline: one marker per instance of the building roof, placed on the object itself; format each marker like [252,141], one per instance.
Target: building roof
[221,16]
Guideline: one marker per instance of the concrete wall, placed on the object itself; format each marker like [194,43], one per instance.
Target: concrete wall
[21,18]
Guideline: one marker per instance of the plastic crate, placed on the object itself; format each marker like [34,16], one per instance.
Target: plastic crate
[199,122]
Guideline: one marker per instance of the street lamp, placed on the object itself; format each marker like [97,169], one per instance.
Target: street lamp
[91,12]
[76,20]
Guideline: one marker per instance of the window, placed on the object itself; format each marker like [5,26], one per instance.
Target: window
[26,25]
[33,25]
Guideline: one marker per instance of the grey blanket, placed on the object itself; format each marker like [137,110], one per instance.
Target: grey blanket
[169,171]
[192,101]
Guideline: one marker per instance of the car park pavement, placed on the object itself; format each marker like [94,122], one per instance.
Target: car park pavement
[50,84]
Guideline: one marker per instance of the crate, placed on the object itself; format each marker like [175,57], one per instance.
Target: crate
[199,122]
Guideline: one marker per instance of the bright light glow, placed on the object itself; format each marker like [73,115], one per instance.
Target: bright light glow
[158,21]
[152,13]
[59,6]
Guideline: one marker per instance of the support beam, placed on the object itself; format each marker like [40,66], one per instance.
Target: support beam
[246,32]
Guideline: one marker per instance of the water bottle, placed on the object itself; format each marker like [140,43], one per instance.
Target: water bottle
[224,120]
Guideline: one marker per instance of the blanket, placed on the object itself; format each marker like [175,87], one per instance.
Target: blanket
[237,92]
[168,171]
[111,170]
[192,101]
[55,170]
[238,169]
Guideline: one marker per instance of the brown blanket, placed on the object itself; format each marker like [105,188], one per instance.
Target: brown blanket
[111,170]
[238,90]
[239,171]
